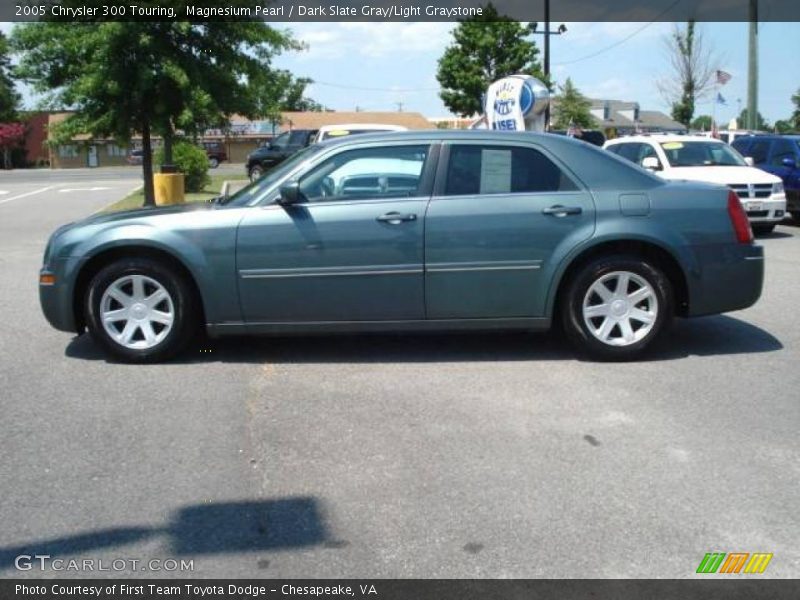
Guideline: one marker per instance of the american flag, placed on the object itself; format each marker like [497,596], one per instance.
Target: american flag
[723,77]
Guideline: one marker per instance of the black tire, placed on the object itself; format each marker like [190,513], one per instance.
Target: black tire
[763,229]
[576,290]
[256,172]
[213,162]
[184,309]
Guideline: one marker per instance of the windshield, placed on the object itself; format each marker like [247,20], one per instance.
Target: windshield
[702,154]
[254,193]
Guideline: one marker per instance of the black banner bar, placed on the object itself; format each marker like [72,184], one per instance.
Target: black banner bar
[393,11]
[733,588]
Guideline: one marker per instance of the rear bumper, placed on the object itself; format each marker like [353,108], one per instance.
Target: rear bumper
[727,278]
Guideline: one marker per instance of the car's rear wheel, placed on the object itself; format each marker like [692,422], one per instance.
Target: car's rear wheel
[213,162]
[763,229]
[616,306]
[256,172]
[140,310]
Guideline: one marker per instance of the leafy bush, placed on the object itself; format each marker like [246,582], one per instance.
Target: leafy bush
[190,160]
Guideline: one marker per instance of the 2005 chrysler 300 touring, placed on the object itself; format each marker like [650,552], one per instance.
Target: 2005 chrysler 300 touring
[413,231]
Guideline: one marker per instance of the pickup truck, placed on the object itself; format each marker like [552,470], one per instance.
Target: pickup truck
[276,150]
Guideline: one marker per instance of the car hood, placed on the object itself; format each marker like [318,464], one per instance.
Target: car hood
[723,175]
[148,212]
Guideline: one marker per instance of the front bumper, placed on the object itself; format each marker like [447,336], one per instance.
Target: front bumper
[726,279]
[56,299]
[768,210]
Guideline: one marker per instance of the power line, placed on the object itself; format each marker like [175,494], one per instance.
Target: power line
[374,89]
[623,40]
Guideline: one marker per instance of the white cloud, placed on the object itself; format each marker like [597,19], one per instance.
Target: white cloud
[333,41]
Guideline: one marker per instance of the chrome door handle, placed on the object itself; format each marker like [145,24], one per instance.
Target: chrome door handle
[395,218]
[562,211]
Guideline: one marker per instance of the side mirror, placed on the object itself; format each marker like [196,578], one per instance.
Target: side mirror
[651,163]
[789,162]
[290,193]
[749,161]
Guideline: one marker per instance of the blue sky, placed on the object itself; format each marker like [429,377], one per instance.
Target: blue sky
[376,65]
[400,59]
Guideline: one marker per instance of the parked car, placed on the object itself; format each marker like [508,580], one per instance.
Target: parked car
[216,153]
[134,157]
[429,230]
[697,158]
[590,136]
[729,135]
[335,131]
[779,155]
[277,150]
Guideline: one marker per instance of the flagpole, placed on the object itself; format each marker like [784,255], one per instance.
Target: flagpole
[714,109]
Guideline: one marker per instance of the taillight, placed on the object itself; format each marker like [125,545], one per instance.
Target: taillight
[741,226]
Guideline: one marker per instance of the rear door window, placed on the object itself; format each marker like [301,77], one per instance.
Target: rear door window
[479,169]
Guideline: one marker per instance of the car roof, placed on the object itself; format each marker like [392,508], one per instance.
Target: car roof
[769,136]
[444,135]
[663,137]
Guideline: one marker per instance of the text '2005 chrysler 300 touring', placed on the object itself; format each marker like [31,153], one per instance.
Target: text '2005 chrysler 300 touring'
[413,231]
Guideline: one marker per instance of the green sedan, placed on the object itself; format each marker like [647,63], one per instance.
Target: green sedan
[415,231]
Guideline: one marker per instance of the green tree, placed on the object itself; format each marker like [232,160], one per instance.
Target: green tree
[128,78]
[485,48]
[796,114]
[692,72]
[9,98]
[702,123]
[294,98]
[761,123]
[783,126]
[572,108]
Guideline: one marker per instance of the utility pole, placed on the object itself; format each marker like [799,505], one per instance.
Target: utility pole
[547,59]
[752,68]
[399,106]
[547,33]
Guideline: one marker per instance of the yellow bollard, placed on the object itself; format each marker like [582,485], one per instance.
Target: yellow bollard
[168,188]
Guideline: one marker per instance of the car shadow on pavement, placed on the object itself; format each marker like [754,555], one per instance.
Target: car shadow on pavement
[214,528]
[706,336]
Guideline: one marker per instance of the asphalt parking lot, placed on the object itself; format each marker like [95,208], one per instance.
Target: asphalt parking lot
[393,456]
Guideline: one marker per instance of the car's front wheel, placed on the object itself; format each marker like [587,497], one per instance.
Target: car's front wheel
[256,172]
[213,162]
[615,306]
[140,310]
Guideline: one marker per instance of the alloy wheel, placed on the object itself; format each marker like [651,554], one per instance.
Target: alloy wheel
[137,312]
[620,308]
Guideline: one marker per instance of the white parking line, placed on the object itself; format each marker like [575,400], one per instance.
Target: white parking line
[25,195]
[91,189]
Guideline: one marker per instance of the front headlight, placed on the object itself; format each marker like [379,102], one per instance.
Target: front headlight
[777,188]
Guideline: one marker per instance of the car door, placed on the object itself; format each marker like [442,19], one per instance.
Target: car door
[351,249]
[498,214]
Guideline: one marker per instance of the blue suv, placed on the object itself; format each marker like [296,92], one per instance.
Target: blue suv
[779,155]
